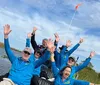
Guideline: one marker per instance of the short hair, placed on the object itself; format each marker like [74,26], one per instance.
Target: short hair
[44,39]
[28,49]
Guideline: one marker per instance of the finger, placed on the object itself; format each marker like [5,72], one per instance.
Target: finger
[9,31]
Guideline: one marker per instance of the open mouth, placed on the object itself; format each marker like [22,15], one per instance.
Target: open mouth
[66,74]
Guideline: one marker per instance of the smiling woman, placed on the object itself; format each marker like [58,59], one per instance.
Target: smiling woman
[62,76]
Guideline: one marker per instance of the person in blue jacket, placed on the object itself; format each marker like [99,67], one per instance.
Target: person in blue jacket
[71,61]
[22,67]
[38,54]
[42,48]
[64,53]
[63,59]
[62,77]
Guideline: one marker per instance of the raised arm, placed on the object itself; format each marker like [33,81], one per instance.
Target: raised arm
[75,47]
[85,63]
[54,67]
[42,59]
[64,57]
[46,56]
[33,42]
[28,40]
[8,50]
[56,53]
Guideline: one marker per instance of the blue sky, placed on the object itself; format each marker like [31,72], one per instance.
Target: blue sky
[52,16]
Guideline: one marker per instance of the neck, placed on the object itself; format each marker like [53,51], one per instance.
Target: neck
[24,59]
[63,78]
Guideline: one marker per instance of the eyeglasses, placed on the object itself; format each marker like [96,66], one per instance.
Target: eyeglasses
[26,52]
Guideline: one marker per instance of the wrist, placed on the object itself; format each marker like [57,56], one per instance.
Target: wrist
[28,38]
[79,43]
[90,56]
[33,33]
[57,41]
[5,36]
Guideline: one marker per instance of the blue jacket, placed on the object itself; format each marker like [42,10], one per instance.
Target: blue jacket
[68,81]
[36,70]
[62,57]
[21,71]
[75,69]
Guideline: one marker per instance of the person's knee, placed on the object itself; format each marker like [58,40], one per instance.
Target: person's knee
[92,84]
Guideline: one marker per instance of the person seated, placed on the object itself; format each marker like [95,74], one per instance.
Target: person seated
[22,67]
[64,53]
[62,77]
[42,47]
[38,54]
[63,59]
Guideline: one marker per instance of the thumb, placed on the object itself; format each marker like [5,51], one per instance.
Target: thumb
[9,31]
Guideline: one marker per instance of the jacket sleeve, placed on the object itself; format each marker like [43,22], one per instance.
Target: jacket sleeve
[56,44]
[73,49]
[42,59]
[33,42]
[81,82]
[27,42]
[8,50]
[55,69]
[62,55]
[85,63]
[65,57]
[57,58]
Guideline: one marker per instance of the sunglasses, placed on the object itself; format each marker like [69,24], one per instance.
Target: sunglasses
[26,52]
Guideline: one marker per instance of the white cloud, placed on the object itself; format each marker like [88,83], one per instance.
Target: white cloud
[21,25]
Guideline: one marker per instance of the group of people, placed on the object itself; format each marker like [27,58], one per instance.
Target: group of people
[26,69]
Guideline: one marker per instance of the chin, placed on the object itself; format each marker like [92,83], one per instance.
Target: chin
[66,76]
[25,58]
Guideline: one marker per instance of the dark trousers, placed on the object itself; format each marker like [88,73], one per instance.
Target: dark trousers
[4,76]
[34,80]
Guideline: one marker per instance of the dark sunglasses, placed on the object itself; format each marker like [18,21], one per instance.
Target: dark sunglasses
[26,52]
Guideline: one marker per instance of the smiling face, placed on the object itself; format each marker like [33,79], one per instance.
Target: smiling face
[37,55]
[66,72]
[26,54]
[71,61]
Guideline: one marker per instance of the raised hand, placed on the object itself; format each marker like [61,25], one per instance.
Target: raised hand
[81,40]
[50,45]
[52,50]
[92,54]
[57,37]
[68,43]
[34,30]
[7,29]
[29,35]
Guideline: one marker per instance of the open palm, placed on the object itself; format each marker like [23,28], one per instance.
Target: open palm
[68,43]
[7,29]
[92,54]
[57,37]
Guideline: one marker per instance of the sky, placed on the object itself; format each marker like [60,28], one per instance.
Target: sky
[54,16]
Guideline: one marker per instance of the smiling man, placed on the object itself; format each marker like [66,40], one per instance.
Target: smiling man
[22,67]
